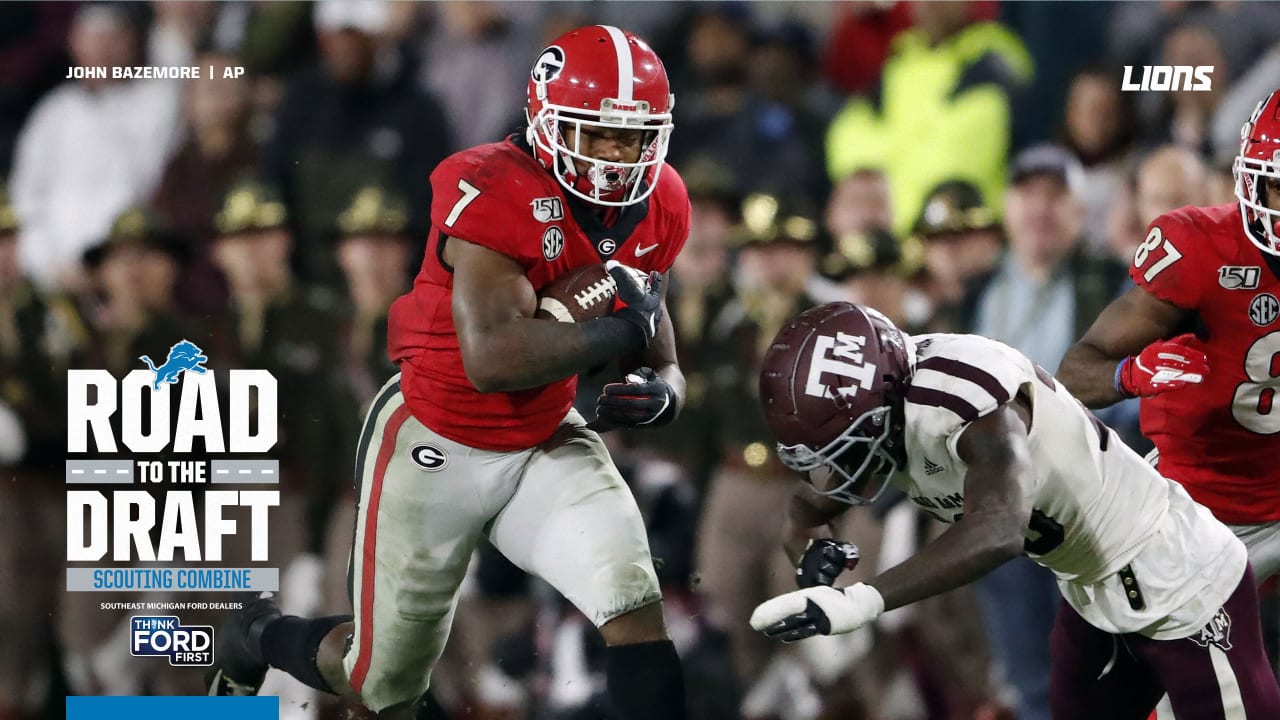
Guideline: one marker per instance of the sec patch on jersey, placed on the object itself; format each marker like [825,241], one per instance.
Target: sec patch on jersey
[581,294]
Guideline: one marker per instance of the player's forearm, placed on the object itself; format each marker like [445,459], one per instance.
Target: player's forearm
[1090,375]
[968,550]
[528,352]
[809,517]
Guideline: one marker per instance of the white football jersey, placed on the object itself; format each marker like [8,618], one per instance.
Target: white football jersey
[1132,552]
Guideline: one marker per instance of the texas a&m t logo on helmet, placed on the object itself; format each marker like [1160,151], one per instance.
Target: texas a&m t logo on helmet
[599,77]
[829,384]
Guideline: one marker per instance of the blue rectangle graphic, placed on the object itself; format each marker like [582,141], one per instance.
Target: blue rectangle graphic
[265,707]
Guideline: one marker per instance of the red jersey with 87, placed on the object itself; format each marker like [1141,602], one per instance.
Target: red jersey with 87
[1220,438]
[498,196]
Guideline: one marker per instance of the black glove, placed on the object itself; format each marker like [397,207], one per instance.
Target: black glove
[645,399]
[824,560]
[638,306]
[813,621]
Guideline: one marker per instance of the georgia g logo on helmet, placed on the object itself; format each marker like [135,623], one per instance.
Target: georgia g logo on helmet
[591,80]
[547,68]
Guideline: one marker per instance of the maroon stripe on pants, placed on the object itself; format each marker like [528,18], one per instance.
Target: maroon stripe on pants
[1138,670]
[1186,666]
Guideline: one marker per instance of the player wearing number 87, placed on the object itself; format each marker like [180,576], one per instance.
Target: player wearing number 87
[980,437]
[1209,400]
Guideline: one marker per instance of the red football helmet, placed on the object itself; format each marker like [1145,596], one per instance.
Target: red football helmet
[830,383]
[600,76]
[1257,166]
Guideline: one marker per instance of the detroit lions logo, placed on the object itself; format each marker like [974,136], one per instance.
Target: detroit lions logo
[1216,632]
[182,357]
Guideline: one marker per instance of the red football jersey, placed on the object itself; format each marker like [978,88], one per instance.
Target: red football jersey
[498,196]
[1219,438]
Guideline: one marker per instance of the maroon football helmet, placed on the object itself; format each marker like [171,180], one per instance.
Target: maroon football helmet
[829,385]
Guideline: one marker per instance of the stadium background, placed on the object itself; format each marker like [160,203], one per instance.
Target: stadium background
[875,151]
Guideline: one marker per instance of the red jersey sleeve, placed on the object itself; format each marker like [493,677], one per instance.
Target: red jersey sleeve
[1169,261]
[678,211]
[472,202]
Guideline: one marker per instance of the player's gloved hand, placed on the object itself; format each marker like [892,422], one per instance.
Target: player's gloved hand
[637,305]
[824,560]
[1162,366]
[645,399]
[817,610]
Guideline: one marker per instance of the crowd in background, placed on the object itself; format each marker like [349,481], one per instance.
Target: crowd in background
[961,166]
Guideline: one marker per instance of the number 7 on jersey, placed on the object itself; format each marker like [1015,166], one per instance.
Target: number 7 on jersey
[1155,240]
[469,192]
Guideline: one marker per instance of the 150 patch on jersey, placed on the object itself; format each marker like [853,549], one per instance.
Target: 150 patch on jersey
[1239,277]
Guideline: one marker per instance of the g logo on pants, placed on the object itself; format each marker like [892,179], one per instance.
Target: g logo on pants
[428,457]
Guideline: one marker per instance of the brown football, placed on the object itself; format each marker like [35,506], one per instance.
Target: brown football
[582,294]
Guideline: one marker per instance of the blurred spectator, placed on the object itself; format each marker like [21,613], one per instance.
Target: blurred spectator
[740,558]
[792,109]
[374,254]
[943,110]
[217,150]
[33,55]
[135,270]
[1169,177]
[1220,186]
[1243,30]
[89,149]
[130,313]
[279,324]
[1186,117]
[859,202]
[701,287]
[272,38]
[1046,289]
[33,361]
[1044,293]
[474,59]
[962,241]
[859,43]
[356,118]
[1099,127]
[1061,38]
[748,104]
[874,269]
[178,28]
[1241,98]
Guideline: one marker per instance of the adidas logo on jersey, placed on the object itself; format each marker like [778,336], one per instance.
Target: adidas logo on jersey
[931,467]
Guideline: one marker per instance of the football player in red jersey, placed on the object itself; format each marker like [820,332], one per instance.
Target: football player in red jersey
[1199,340]
[476,437]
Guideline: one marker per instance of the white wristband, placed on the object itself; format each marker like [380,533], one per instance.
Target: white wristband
[852,608]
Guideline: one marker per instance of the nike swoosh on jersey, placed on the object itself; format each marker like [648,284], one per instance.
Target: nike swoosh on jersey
[642,251]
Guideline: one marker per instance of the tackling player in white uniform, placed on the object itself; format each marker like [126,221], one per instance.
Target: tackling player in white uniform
[1159,595]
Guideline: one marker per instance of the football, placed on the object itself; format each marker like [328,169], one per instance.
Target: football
[581,294]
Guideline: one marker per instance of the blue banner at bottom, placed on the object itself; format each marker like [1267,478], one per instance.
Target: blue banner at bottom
[198,707]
